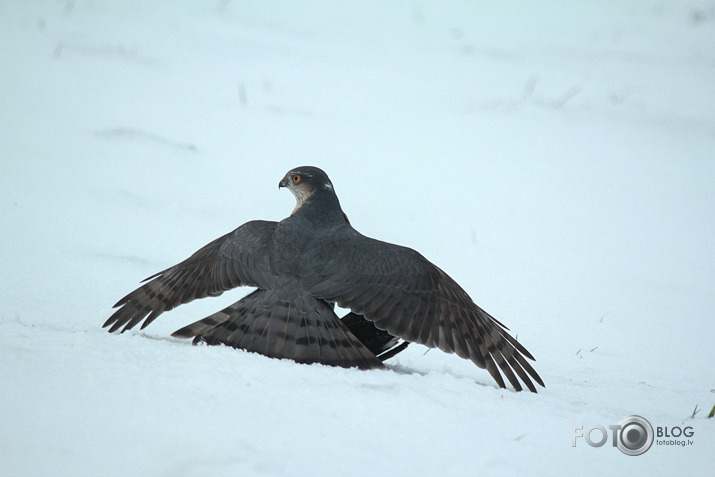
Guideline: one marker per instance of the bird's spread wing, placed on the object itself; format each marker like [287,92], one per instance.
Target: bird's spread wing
[285,323]
[405,294]
[238,258]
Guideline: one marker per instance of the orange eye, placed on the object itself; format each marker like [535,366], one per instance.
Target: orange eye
[295,178]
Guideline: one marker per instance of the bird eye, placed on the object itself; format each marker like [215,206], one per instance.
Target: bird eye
[295,178]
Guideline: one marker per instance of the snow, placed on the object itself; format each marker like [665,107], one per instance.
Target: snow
[556,158]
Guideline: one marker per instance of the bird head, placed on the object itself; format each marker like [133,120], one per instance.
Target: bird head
[304,182]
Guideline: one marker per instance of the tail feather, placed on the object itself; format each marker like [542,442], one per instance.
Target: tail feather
[284,325]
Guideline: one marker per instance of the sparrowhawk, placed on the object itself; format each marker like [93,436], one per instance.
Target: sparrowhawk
[305,264]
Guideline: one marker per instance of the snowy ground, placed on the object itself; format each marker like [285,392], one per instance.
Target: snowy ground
[556,158]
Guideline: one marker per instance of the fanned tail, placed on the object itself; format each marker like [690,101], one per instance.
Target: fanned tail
[287,325]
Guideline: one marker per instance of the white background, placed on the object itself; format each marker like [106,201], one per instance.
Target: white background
[556,158]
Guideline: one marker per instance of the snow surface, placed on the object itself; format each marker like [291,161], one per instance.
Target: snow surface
[556,158]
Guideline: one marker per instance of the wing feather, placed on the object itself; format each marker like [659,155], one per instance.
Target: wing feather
[409,297]
[235,259]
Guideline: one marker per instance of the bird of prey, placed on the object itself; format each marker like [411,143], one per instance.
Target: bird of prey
[305,264]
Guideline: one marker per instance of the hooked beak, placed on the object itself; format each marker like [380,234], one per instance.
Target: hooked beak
[283,183]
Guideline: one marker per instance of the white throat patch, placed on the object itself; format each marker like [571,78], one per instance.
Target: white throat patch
[301,195]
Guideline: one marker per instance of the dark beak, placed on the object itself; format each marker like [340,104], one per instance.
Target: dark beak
[283,183]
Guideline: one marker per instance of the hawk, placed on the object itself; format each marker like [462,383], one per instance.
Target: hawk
[305,264]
